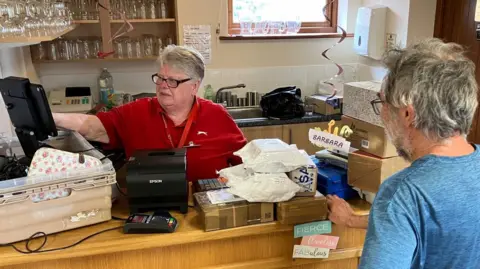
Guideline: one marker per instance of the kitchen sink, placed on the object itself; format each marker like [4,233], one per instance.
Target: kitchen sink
[246,113]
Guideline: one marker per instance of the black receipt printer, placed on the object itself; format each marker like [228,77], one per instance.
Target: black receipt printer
[156,180]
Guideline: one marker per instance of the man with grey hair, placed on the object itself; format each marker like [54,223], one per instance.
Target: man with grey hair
[427,215]
[175,118]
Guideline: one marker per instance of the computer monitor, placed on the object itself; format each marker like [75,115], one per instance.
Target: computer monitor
[29,112]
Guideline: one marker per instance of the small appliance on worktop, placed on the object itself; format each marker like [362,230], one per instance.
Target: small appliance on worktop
[156,180]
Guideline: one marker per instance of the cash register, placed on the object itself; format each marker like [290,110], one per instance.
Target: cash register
[156,180]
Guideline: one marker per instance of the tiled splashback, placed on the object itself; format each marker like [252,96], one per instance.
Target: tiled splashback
[136,77]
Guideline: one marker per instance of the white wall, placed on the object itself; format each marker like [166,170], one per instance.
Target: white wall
[410,20]
[421,20]
[239,54]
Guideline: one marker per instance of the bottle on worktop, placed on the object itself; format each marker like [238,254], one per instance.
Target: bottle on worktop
[105,87]
[209,94]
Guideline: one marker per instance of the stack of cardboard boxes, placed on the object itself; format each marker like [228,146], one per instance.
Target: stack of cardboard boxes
[376,158]
[308,205]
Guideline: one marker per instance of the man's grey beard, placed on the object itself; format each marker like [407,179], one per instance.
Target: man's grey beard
[397,138]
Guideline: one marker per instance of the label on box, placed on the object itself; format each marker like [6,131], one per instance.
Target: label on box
[222,196]
[305,177]
[307,252]
[365,144]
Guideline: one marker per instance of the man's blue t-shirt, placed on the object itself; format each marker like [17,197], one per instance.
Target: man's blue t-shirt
[427,216]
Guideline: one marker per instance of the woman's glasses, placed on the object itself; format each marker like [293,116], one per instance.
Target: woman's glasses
[172,83]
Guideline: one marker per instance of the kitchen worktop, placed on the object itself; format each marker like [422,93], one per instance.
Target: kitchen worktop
[255,122]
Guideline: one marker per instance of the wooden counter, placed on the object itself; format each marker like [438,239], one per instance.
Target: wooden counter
[260,246]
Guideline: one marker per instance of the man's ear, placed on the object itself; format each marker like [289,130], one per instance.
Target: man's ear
[408,114]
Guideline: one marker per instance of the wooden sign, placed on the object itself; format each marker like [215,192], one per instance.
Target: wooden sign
[329,141]
[320,241]
[319,227]
[307,252]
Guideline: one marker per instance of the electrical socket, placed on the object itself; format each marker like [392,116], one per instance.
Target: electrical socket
[391,41]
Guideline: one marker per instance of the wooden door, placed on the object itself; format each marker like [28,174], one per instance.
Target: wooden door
[262,132]
[299,135]
[455,22]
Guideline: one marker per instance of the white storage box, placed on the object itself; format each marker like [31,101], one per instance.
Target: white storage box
[356,101]
[86,196]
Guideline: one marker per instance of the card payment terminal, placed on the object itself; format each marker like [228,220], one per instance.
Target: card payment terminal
[158,222]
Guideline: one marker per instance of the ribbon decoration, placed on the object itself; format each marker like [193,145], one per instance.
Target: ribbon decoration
[324,54]
[123,30]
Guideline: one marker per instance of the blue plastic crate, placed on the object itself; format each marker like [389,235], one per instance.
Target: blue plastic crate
[332,178]
[347,193]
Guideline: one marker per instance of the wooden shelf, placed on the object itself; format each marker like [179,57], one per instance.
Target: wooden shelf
[36,39]
[130,20]
[296,36]
[86,21]
[143,20]
[152,58]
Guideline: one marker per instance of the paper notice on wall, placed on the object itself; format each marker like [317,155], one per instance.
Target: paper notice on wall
[200,38]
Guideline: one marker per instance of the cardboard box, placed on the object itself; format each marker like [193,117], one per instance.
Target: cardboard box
[305,177]
[302,210]
[356,101]
[224,216]
[369,138]
[367,172]
[322,106]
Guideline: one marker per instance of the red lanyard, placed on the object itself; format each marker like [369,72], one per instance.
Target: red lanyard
[191,116]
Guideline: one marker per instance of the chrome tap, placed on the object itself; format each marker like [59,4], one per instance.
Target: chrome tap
[228,88]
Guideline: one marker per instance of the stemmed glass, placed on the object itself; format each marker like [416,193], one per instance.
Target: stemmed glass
[33,17]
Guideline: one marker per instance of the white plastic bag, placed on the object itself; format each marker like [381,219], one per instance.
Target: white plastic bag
[271,156]
[259,187]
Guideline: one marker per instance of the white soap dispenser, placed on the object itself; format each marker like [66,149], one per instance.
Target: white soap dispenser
[370,32]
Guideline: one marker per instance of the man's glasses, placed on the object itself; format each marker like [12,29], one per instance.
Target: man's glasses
[377,105]
[172,83]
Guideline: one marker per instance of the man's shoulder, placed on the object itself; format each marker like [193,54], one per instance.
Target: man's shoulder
[420,177]
[395,183]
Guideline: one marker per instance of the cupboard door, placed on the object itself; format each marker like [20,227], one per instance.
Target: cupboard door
[299,135]
[263,132]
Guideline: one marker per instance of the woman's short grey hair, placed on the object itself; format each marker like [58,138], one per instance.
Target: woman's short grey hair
[183,59]
[438,80]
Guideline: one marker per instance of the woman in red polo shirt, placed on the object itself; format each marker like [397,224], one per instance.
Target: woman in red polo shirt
[175,118]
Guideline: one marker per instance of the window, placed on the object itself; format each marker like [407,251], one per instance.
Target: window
[251,16]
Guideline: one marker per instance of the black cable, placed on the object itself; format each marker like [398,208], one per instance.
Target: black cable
[118,218]
[44,235]
[83,151]
[108,156]
[120,190]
